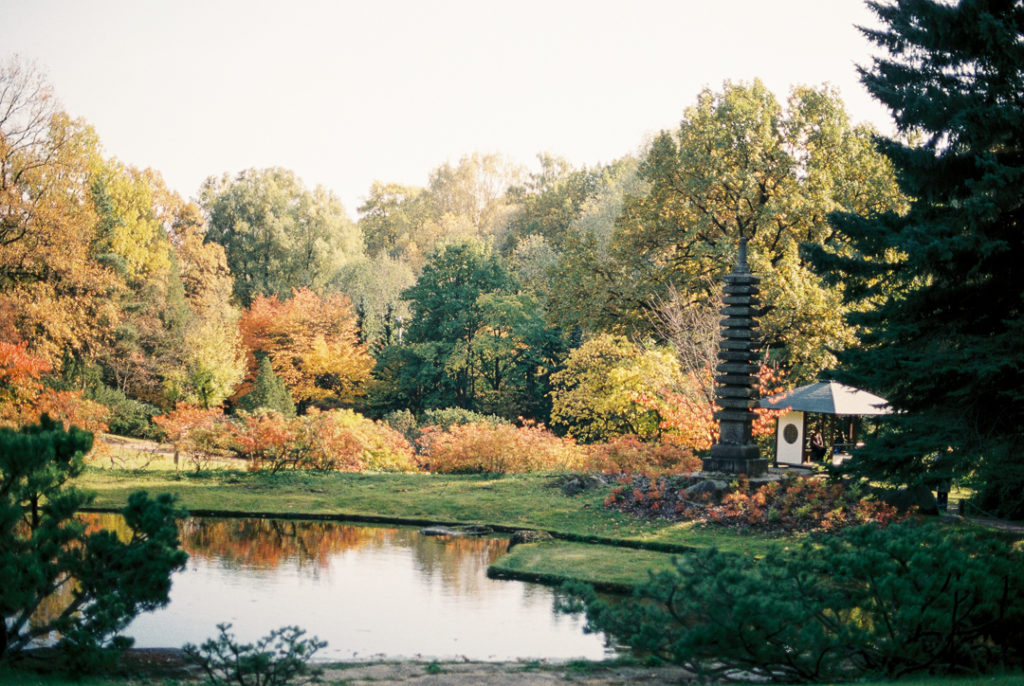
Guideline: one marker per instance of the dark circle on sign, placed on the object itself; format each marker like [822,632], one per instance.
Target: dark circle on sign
[790,433]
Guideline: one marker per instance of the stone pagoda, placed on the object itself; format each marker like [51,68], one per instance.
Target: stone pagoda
[737,385]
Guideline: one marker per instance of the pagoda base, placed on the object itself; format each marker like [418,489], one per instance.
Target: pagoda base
[736,459]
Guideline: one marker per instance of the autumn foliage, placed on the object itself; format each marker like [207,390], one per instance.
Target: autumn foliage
[790,504]
[196,433]
[347,441]
[312,344]
[24,398]
[690,417]
[338,440]
[628,454]
[497,449]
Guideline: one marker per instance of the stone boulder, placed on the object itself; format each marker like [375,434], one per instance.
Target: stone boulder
[904,499]
[528,536]
[578,483]
[459,530]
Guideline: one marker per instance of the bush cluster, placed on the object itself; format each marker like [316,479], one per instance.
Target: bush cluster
[443,441]
[339,440]
[497,448]
[790,504]
[870,601]
[630,455]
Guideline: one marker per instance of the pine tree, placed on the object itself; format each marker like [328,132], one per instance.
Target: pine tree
[44,548]
[268,392]
[942,331]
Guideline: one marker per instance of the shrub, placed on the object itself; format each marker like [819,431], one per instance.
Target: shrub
[266,439]
[448,417]
[871,601]
[195,432]
[497,449]
[628,454]
[347,441]
[277,659]
[104,581]
[128,417]
[790,504]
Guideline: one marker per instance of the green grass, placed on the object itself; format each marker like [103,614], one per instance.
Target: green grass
[515,501]
[607,567]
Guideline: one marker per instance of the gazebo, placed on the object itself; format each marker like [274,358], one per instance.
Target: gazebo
[833,409]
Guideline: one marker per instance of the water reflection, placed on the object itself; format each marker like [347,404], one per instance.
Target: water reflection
[369,591]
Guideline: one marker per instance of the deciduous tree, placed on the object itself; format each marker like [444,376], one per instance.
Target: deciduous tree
[742,165]
[53,295]
[277,234]
[603,390]
[311,343]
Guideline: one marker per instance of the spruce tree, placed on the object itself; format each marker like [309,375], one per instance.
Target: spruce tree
[941,287]
[268,392]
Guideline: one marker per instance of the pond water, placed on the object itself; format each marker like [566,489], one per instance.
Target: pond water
[371,592]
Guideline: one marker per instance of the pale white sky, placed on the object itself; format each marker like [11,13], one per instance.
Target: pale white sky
[345,92]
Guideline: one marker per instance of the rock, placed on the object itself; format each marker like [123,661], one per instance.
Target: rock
[528,536]
[461,530]
[700,489]
[577,483]
[906,498]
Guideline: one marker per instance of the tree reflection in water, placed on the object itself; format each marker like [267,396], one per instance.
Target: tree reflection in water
[370,591]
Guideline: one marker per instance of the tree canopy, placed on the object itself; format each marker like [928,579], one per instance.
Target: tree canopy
[943,339]
[277,234]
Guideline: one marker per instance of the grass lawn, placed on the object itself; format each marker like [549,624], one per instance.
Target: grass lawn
[606,567]
[529,501]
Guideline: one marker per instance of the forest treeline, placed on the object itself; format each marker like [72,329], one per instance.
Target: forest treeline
[582,298]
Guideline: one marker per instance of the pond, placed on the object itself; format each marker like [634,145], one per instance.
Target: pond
[371,592]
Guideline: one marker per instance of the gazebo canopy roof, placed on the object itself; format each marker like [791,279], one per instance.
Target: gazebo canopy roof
[829,397]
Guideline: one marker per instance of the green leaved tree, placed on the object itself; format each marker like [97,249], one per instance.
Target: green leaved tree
[944,340]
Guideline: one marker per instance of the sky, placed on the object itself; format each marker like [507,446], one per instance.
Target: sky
[345,93]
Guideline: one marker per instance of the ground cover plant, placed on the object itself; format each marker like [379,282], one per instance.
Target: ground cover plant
[791,504]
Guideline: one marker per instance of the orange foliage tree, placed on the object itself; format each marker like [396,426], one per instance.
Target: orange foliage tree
[266,439]
[24,398]
[690,416]
[312,344]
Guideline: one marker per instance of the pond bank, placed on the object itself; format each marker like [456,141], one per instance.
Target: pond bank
[505,503]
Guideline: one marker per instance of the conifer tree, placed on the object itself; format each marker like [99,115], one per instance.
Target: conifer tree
[92,582]
[268,392]
[943,334]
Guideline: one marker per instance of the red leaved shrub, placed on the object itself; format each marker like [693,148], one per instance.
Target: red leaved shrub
[790,504]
